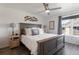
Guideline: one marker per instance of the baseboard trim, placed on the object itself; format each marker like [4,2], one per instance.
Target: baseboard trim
[4,47]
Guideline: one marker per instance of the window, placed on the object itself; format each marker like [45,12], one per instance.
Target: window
[70,26]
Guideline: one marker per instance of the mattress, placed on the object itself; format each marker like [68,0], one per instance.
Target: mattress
[31,41]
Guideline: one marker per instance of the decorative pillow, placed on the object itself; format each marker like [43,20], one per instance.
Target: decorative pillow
[28,31]
[41,31]
[35,31]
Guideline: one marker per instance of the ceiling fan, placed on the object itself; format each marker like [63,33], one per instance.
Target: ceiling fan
[47,9]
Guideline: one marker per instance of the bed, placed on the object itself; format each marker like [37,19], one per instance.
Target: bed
[43,44]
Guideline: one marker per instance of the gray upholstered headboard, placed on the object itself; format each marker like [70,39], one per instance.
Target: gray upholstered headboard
[28,25]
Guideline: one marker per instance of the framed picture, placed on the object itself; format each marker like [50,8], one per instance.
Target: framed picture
[51,25]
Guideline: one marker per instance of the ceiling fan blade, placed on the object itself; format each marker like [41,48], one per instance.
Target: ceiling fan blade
[45,6]
[55,8]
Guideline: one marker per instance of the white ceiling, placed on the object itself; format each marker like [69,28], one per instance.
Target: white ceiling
[67,8]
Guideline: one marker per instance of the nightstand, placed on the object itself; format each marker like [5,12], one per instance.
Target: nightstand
[14,41]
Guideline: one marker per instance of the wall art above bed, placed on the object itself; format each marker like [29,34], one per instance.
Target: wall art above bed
[51,25]
[30,18]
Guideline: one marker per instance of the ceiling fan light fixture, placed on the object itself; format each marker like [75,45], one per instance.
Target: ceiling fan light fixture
[47,11]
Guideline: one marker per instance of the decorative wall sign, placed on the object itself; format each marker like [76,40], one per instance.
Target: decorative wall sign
[30,18]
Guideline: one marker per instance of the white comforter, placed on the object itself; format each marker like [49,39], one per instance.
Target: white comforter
[31,41]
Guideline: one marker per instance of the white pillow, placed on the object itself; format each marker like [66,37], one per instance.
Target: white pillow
[35,31]
[28,31]
[41,31]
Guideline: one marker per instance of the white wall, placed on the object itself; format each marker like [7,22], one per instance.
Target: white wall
[55,19]
[9,15]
